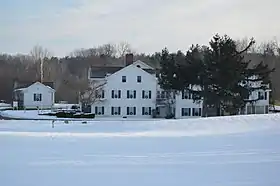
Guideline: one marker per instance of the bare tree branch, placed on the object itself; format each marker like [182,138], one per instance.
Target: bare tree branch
[123,48]
[92,92]
[39,53]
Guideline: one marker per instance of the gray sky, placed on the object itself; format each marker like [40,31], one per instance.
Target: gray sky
[148,25]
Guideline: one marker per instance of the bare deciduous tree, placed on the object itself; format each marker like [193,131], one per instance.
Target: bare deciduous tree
[269,48]
[39,53]
[241,44]
[91,92]
[108,50]
[123,48]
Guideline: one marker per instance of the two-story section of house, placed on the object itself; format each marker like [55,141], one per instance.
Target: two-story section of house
[261,97]
[129,91]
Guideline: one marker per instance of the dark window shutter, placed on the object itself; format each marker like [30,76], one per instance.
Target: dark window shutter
[150,111]
[103,93]
[134,94]
[265,95]
[127,110]
[119,111]
[102,110]
[112,93]
[182,112]
[127,94]
[143,94]
[143,110]
[112,110]
[40,97]
[134,110]
[150,94]
[189,114]
[34,97]
[96,110]
[119,93]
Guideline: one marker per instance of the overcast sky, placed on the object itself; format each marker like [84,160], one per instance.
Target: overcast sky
[148,25]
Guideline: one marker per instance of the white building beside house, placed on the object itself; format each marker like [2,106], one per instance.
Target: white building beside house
[133,91]
[35,95]
[261,106]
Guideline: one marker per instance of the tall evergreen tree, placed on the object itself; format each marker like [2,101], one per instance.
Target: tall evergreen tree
[223,76]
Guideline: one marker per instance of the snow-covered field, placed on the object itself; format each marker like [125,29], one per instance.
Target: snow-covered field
[34,114]
[228,151]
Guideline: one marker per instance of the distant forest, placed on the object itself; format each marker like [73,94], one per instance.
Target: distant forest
[69,73]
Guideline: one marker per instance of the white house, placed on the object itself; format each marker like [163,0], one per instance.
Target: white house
[36,95]
[133,91]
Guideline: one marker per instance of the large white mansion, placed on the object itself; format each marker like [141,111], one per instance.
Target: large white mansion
[133,91]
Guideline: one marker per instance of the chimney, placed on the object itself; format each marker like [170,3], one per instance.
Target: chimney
[128,59]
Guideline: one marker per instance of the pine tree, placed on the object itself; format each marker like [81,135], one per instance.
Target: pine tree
[220,71]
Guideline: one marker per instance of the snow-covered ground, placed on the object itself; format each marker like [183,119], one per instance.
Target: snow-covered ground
[225,151]
[34,114]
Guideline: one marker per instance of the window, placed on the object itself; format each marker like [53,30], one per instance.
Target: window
[115,111]
[186,95]
[260,109]
[138,79]
[249,110]
[196,111]
[146,94]
[116,94]
[162,94]
[123,79]
[196,96]
[100,94]
[131,94]
[37,97]
[157,110]
[186,112]
[131,110]
[146,111]
[261,95]
[99,110]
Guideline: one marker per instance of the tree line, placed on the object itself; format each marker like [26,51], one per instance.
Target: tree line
[69,73]
[217,73]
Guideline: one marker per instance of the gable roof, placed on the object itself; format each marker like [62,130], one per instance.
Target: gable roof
[27,85]
[142,64]
[148,71]
[102,70]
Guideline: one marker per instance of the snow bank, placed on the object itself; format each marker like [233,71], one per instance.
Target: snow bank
[149,128]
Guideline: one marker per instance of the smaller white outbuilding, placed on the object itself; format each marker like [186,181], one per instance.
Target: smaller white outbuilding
[36,95]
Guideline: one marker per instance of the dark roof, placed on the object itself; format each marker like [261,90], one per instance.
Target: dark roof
[101,72]
[150,71]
